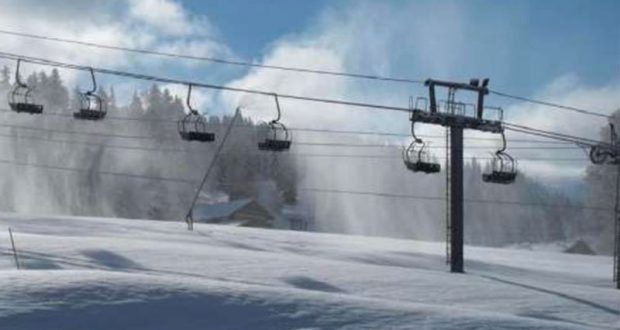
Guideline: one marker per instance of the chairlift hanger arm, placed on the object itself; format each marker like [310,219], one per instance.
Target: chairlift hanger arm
[188,98]
[275,96]
[17,75]
[474,85]
[457,85]
[94,81]
[503,142]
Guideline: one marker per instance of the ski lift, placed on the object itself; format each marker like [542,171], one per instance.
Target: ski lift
[606,153]
[193,126]
[92,106]
[20,99]
[416,157]
[278,138]
[503,167]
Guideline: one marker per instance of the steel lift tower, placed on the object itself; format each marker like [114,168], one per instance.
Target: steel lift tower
[457,116]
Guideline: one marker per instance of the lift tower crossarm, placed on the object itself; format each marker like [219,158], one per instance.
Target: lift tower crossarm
[474,85]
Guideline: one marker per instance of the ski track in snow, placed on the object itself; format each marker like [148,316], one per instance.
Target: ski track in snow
[93,273]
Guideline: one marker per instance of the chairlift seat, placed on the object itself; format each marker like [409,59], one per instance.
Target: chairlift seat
[197,136]
[26,107]
[89,114]
[193,128]
[499,177]
[274,145]
[424,167]
[200,136]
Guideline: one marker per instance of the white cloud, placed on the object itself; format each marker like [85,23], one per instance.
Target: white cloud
[150,24]
[168,17]
[568,90]
[374,38]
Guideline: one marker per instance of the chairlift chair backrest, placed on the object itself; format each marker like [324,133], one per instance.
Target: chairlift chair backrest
[503,167]
[416,158]
[20,98]
[278,137]
[92,106]
[193,126]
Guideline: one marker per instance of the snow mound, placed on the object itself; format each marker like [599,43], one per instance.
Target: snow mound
[88,273]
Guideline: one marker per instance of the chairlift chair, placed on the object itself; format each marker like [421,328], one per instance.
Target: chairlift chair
[503,167]
[416,158]
[92,106]
[20,98]
[278,138]
[193,126]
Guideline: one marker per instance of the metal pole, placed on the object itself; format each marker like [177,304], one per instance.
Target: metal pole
[14,249]
[617,231]
[456,199]
[189,218]
[448,202]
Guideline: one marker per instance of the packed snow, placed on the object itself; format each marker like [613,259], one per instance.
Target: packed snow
[96,273]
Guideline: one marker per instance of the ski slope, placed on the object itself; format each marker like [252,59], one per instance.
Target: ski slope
[93,273]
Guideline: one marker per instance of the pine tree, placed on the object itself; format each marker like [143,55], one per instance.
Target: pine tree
[136,107]
[5,78]
[112,100]
[59,96]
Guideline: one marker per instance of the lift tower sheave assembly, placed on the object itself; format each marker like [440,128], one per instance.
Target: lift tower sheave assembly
[457,116]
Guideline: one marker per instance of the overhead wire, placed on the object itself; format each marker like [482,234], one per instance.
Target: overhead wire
[442,199]
[554,135]
[215,60]
[145,119]
[145,77]
[288,68]
[307,189]
[550,104]
[188,150]
[294,129]
[98,172]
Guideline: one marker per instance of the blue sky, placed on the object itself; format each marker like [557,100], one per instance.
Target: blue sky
[523,44]
[249,26]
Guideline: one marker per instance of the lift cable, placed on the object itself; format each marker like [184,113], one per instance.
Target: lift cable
[287,68]
[145,118]
[145,77]
[442,199]
[141,137]
[307,189]
[215,60]
[550,104]
[295,129]
[555,135]
[89,171]
[308,144]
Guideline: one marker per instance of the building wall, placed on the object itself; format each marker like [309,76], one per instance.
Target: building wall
[255,215]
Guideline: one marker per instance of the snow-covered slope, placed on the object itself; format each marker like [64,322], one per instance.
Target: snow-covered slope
[86,273]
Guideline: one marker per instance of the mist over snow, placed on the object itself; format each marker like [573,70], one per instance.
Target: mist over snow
[393,39]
